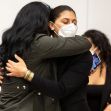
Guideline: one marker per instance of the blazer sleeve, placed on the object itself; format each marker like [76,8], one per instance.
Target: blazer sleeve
[47,47]
[75,77]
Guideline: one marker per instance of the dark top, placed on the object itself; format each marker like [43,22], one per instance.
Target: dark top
[72,81]
[94,96]
[105,91]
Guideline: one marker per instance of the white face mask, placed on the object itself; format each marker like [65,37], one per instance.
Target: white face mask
[68,30]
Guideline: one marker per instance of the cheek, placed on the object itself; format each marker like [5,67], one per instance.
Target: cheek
[56,29]
[61,24]
[58,25]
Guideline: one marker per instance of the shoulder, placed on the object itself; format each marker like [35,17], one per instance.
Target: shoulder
[43,38]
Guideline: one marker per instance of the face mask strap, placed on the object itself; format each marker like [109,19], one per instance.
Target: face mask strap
[56,27]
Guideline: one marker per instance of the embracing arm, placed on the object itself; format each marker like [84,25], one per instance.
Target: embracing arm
[75,77]
[47,47]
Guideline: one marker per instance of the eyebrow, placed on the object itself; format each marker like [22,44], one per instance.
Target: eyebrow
[68,19]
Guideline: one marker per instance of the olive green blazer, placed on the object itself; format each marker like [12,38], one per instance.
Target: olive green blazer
[39,58]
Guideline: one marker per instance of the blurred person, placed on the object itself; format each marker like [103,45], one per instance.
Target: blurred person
[99,86]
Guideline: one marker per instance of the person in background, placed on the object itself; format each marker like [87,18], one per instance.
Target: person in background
[72,72]
[99,86]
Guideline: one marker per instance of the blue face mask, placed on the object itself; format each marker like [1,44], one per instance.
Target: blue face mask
[96,61]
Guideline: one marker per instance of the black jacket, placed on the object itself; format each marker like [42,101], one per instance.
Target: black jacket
[72,81]
[38,60]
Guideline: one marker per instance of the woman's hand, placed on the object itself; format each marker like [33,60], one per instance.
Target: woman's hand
[108,108]
[16,69]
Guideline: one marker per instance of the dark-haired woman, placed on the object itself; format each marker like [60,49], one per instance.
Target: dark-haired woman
[72,72]
[99,86]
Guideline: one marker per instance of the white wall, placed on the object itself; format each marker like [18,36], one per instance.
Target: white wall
[99,15]
[90,13]
[9,9]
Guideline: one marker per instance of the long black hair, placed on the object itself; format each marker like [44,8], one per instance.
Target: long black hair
[100,40]
[32,19]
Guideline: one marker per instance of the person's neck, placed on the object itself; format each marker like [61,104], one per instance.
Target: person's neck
[99,76]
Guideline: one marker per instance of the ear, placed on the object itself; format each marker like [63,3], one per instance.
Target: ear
[51,25]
